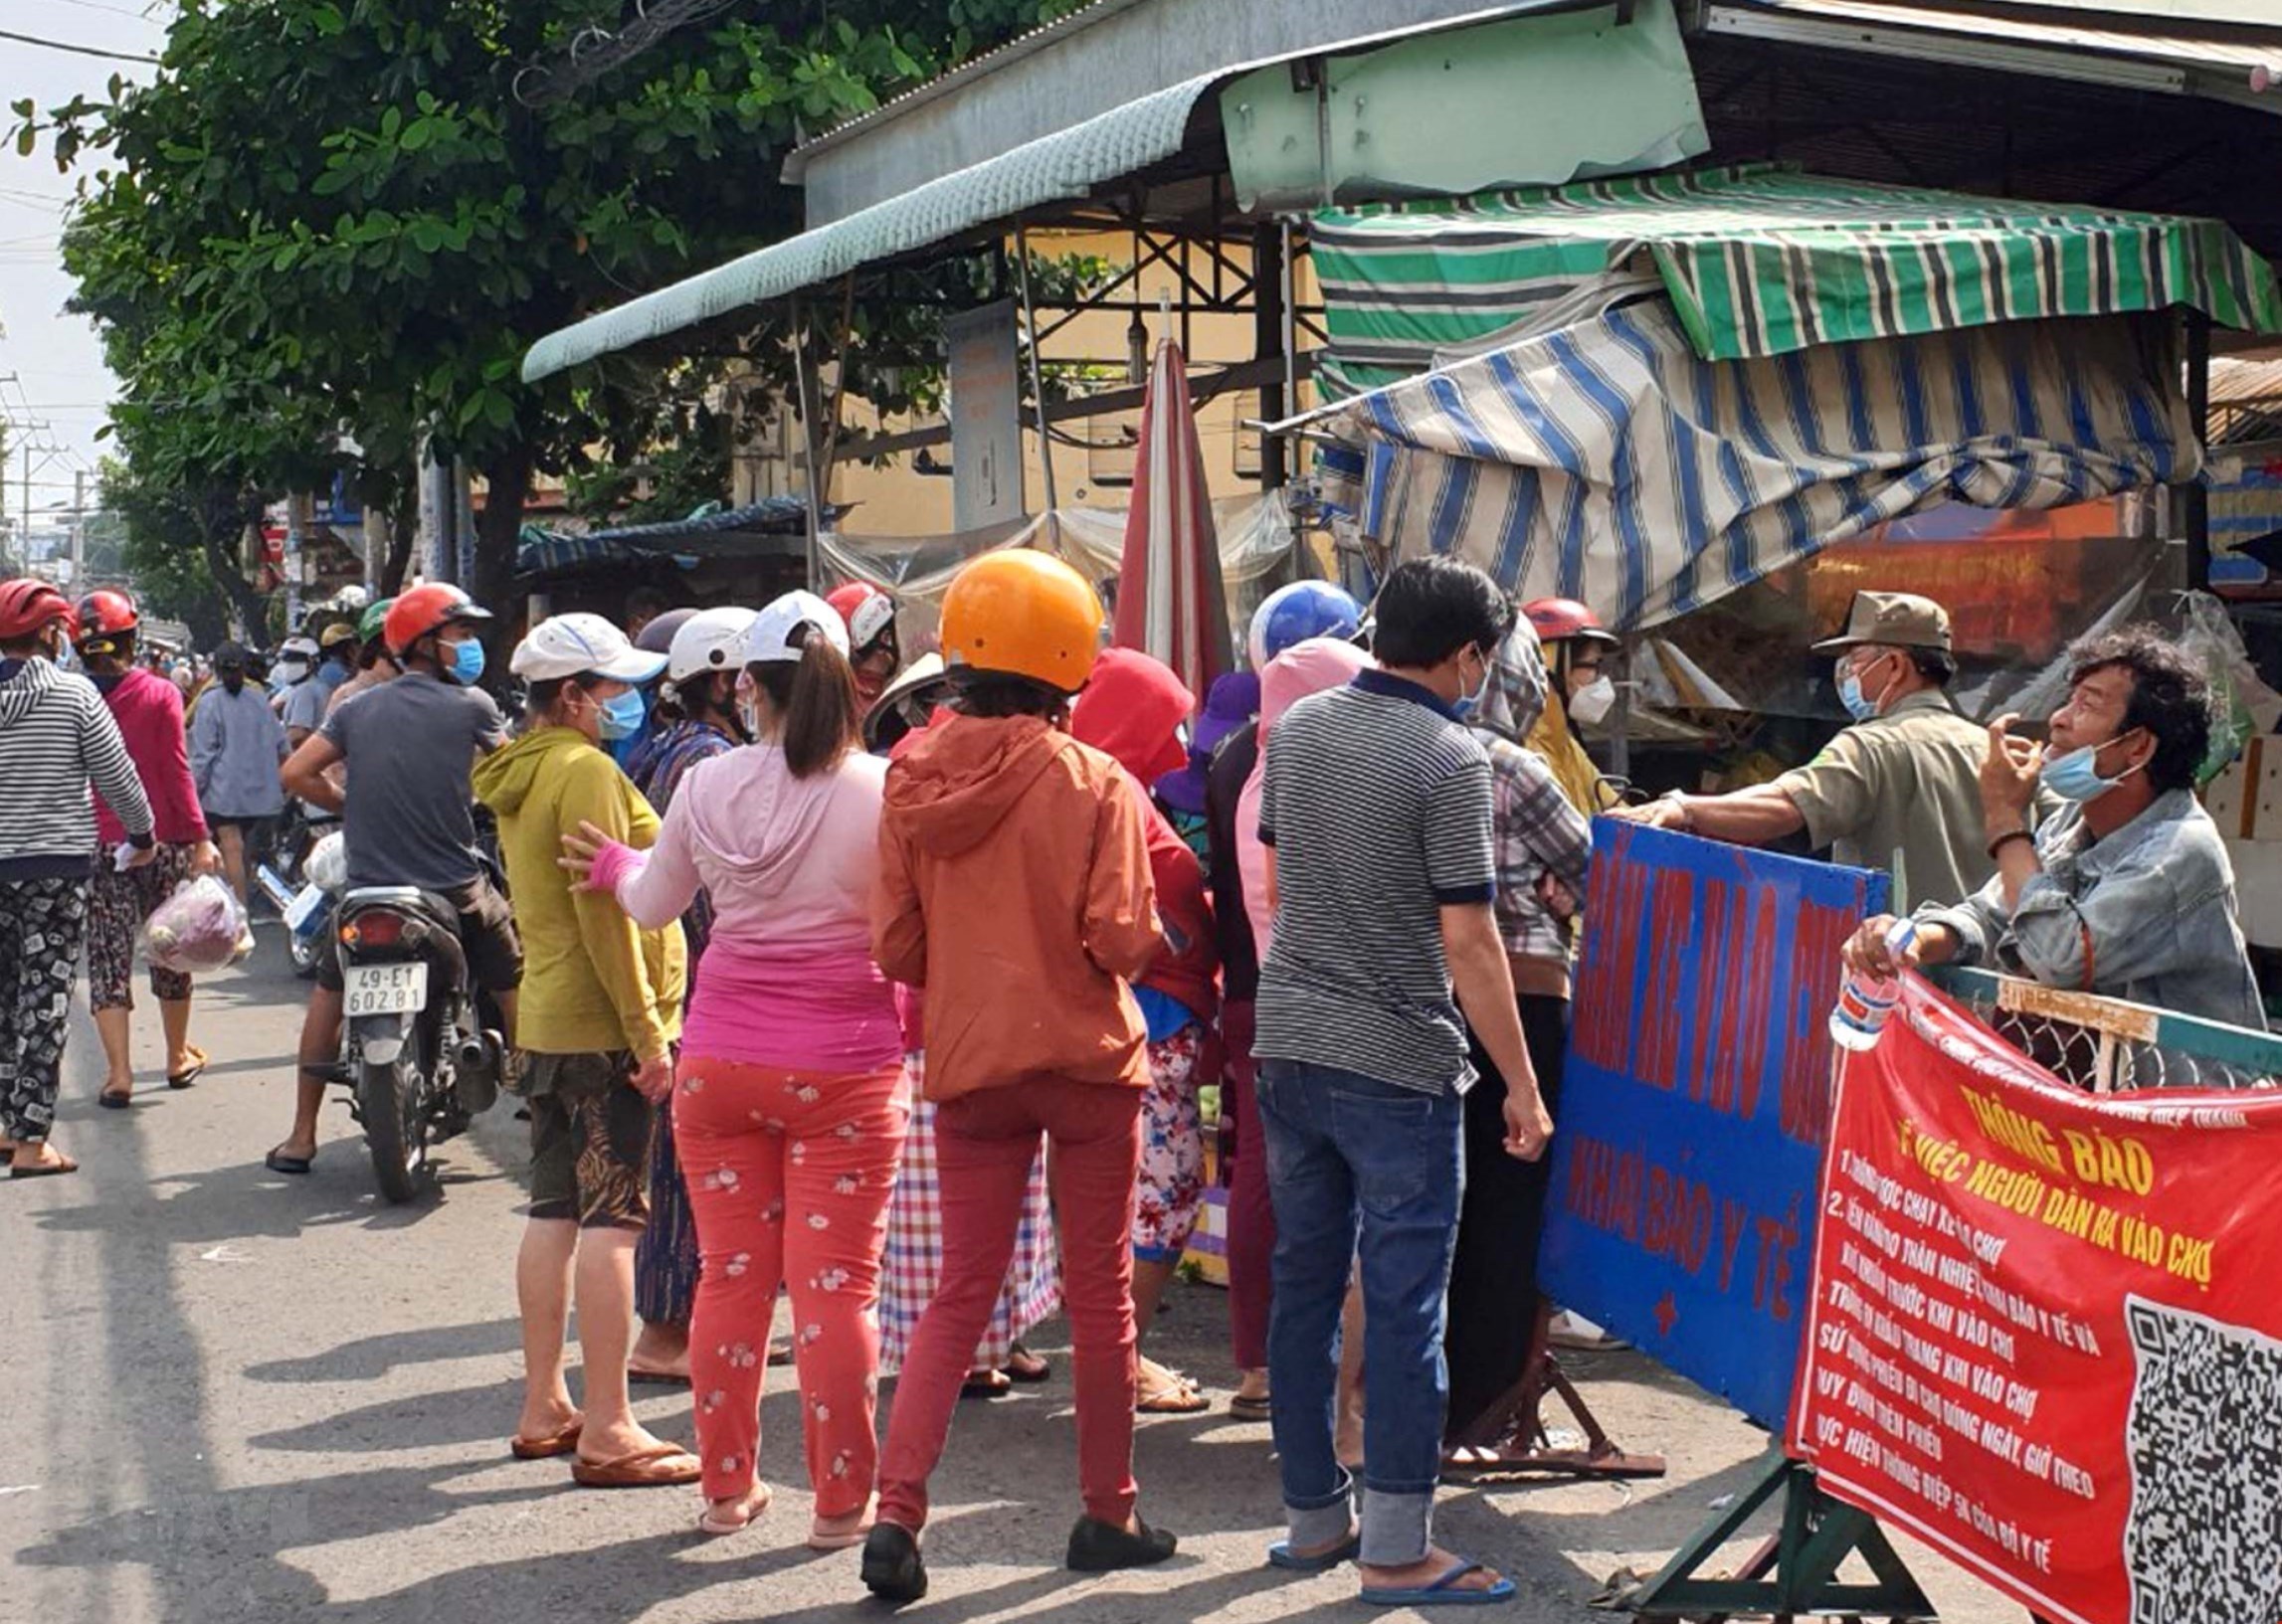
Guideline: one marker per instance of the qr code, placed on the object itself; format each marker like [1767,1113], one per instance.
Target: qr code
[2204,1542]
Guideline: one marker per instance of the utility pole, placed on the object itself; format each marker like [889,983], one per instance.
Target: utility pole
[78,532]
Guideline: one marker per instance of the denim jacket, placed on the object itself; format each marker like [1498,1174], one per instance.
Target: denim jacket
[2146,913]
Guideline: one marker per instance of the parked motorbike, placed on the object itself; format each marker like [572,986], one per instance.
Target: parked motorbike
[421,1046]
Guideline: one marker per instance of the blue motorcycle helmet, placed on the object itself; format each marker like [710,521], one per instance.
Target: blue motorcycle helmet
[1296,613]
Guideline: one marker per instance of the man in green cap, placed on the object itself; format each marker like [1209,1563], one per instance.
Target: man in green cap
[1898,788]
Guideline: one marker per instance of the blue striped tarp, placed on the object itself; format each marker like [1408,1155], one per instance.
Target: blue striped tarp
[1606,460]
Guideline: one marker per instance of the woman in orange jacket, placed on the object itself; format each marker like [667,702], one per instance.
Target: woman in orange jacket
[1014,886]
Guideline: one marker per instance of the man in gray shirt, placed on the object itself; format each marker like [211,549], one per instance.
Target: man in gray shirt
[409,746]
[236,745]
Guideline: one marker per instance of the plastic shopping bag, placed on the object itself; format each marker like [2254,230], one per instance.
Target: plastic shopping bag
[2241,704]
[201,927]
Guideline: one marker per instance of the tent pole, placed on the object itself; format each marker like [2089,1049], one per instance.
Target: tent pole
[1037,383]
[2196,497]
[1269,329]
[808,445]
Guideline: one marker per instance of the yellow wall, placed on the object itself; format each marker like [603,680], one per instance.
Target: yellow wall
[896,500]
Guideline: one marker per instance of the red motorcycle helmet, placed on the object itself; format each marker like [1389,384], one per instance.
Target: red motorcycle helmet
[1560,619]
[425,609]
[105,617]
[869,611]
[29,607]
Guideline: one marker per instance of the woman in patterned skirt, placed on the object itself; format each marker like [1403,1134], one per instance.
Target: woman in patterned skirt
[701,722]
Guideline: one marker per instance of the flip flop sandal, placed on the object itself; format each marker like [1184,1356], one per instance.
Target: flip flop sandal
[1024,1367]
[190,1073]
[561,1443]
[1178,1399]
[1442,1592]
[278,1162]
[1281,1554]
[719,1528]
[848,1540]
[43,1169]
[656,1379]
[1244,1407]
[986,1384]
[659,1467]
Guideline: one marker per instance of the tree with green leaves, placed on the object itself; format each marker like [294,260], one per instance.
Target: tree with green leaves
[328,217]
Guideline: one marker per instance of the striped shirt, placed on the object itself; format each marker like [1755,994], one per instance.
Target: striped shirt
[1377,802]
[57,736]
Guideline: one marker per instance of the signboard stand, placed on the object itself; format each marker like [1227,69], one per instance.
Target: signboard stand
[1511,1438]
[1795,1572]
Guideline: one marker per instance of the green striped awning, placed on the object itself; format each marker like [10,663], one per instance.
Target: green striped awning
[1761,260]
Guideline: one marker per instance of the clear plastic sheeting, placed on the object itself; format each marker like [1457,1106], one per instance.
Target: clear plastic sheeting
[1255,539]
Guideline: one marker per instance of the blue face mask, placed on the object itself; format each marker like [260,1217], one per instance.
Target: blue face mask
[2076,776]
[621,717]
[1860,705]
[468,663]
[1468,704]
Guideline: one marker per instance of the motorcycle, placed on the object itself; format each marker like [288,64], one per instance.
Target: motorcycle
[421,1047]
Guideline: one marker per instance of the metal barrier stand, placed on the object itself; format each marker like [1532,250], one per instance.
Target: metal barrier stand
[1793,1572]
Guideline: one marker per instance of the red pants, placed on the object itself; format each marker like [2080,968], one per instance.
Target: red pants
[788,1174]
[983,1146]
[1252,1216]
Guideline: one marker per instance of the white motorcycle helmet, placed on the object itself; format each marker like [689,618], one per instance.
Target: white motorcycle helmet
[707,642]
[772,638]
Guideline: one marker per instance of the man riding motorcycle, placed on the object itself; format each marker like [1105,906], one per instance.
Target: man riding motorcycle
[409,746]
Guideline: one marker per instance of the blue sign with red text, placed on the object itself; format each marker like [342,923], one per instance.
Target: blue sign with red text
[1694,1102]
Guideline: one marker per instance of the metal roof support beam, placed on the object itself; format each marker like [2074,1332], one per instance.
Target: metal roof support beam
[1037,380]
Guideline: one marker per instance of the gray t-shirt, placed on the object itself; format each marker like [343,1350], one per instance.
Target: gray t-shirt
[305,705]
[1376,801]
[409,746]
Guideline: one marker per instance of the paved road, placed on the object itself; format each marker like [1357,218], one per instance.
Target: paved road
[237,1397]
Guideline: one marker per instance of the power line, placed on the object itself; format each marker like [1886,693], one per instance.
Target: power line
[75,50]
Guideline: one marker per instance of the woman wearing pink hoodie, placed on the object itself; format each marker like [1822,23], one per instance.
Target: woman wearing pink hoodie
[786,1109]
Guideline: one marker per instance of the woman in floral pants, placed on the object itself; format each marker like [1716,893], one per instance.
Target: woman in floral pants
[787,1112]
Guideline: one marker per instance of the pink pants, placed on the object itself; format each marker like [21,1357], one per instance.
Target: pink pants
[788,1174]
[983,1146]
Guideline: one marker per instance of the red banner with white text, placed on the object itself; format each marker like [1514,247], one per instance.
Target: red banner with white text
[2045,1331]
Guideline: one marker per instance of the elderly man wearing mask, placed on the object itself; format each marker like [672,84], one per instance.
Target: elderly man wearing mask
[2126,892]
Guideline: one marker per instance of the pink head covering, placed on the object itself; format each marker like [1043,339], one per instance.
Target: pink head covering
[1310,668]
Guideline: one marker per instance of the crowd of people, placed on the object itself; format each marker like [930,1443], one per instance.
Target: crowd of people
[890,989]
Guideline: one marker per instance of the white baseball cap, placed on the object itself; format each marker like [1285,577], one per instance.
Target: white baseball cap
[774,637]
[574,645]
[706,641]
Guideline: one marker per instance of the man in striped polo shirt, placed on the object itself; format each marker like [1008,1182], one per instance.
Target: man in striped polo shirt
[1376,813]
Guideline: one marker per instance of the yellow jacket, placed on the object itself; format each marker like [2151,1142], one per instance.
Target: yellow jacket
[1581,781]
[593,982]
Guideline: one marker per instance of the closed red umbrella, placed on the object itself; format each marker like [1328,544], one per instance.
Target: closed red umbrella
[1170,598]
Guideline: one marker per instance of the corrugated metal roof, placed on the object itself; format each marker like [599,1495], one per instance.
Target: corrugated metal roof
[2232,60]
[2233,381]
[1063,165]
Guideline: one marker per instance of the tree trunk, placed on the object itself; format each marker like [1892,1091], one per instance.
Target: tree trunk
[403,531]
[506,482]
[221,523]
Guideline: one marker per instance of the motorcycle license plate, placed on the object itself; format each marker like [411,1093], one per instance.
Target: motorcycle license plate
[384,990]
[306,907]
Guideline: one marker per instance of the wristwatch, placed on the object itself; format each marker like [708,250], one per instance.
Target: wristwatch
[1678,800]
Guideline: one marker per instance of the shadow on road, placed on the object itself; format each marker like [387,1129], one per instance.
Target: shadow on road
[371,1357]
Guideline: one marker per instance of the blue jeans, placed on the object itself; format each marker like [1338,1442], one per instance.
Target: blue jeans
[1343,1148]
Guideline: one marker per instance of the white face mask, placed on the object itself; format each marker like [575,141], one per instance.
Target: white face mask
[1594,701]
